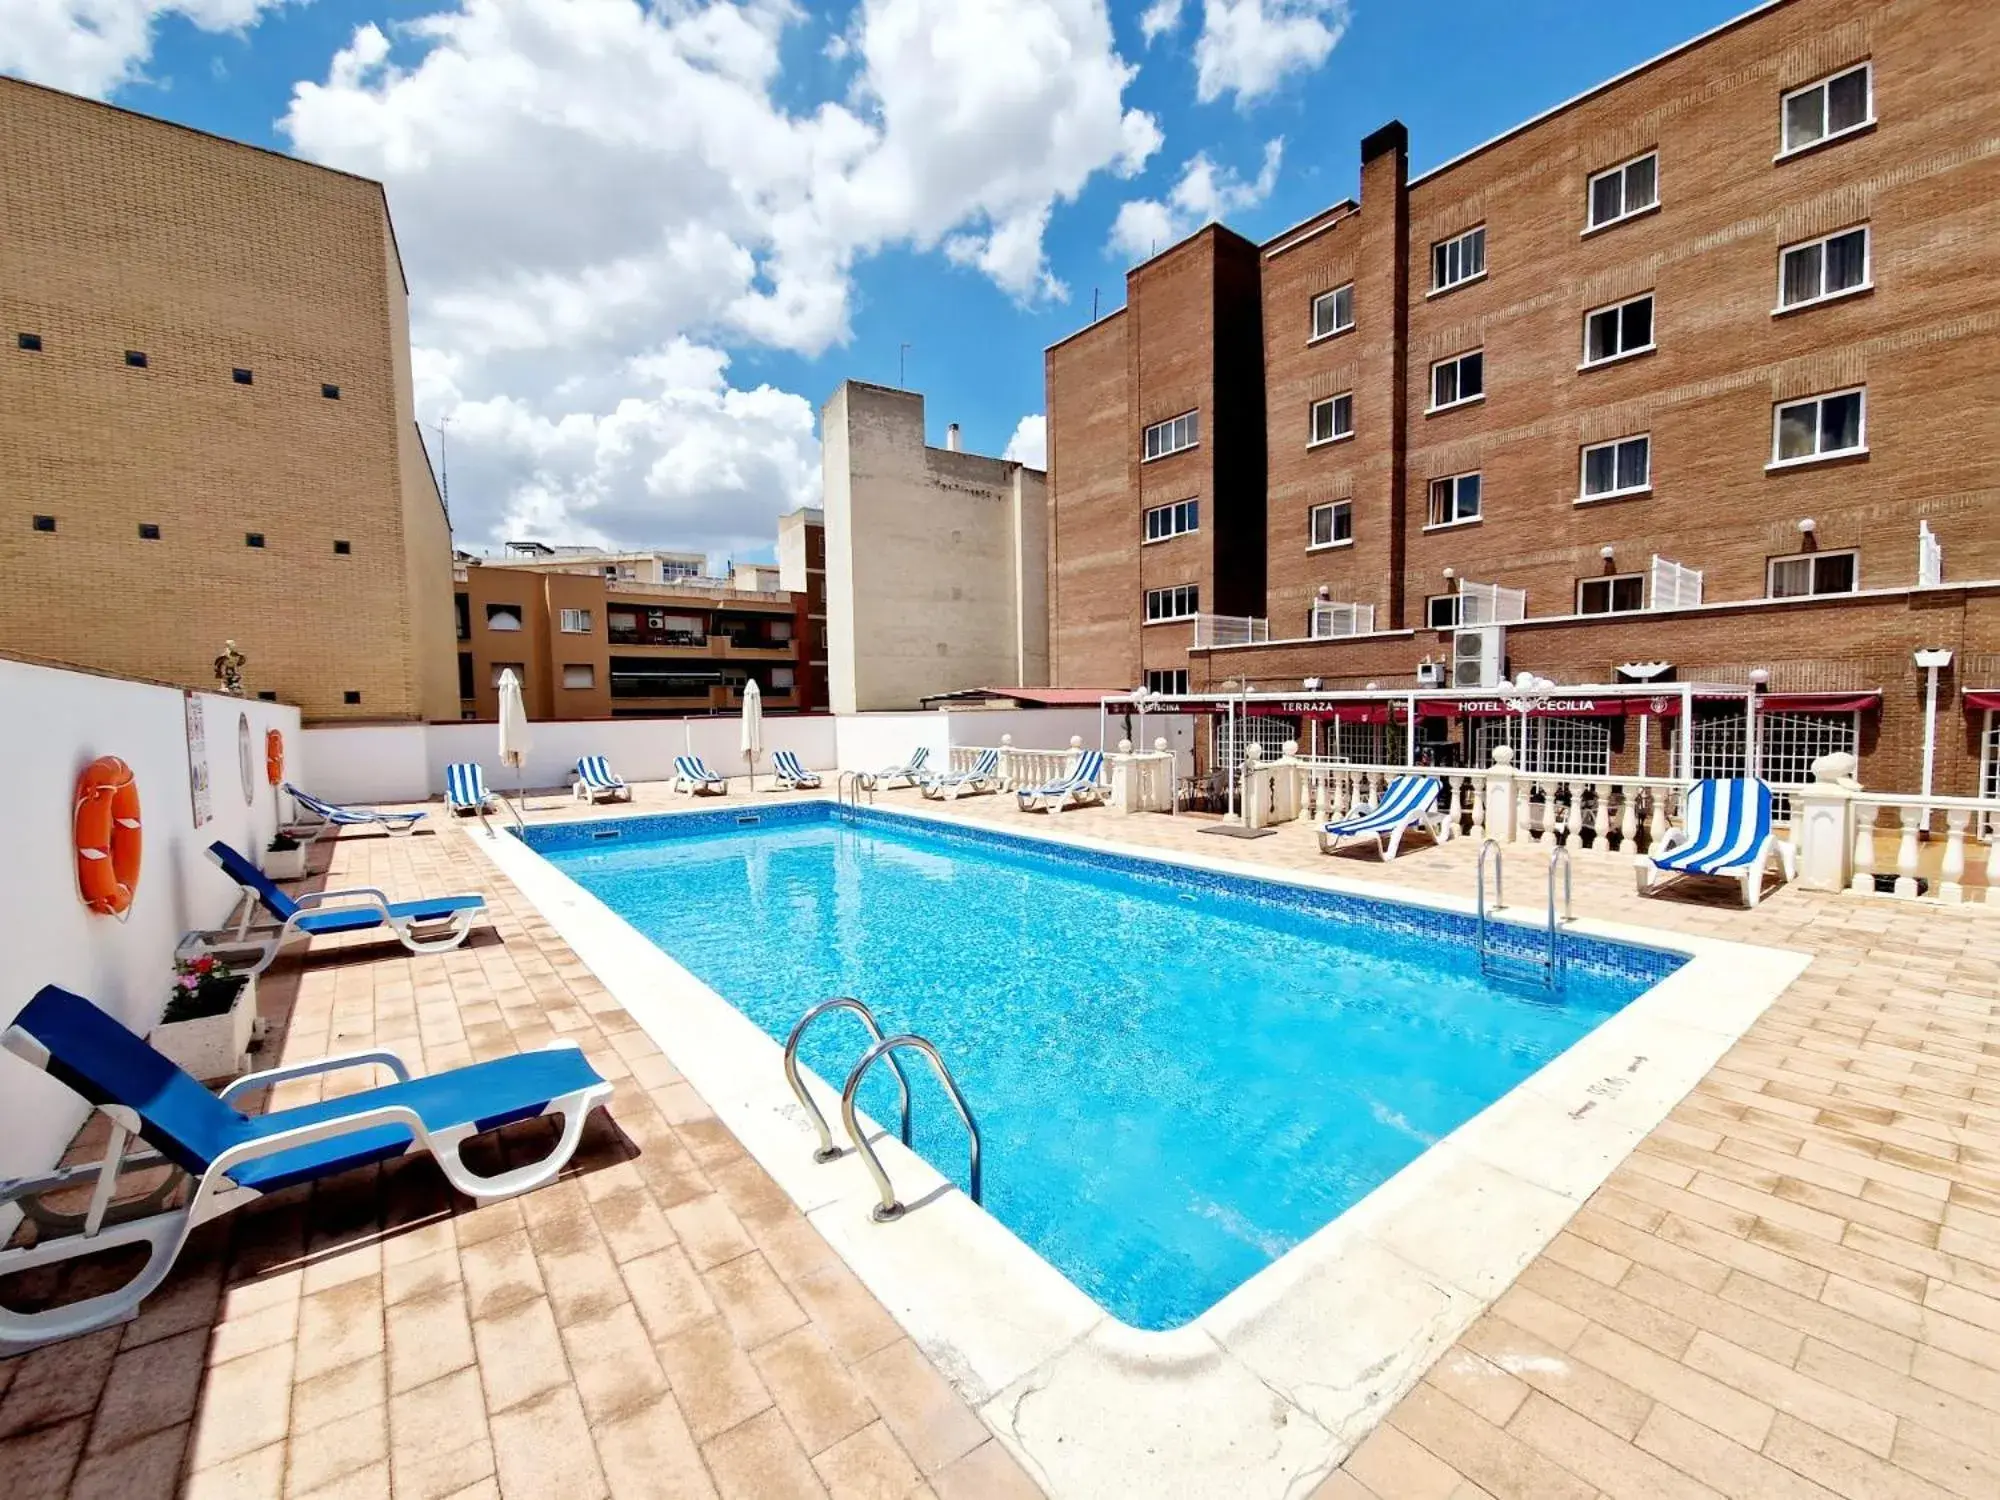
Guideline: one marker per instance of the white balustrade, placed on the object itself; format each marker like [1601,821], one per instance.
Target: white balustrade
[1936,846]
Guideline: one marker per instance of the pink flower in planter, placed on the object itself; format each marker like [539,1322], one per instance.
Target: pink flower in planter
[190,981]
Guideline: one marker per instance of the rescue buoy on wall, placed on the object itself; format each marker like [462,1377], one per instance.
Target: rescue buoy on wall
[274,756]
[108,837]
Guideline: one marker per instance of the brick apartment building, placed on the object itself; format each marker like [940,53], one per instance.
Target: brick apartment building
[590,640]
[206,422]
[1688,379]
[802,571]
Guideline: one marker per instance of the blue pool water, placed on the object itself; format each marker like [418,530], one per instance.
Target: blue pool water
[1179,1075]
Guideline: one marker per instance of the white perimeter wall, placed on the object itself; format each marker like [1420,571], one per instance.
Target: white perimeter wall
[59,722]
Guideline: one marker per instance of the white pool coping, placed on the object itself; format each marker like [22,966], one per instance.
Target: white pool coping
[1273,1386]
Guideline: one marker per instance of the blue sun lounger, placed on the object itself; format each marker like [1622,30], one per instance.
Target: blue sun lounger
[692,775]
[1080,786]
[330,815]
[234,1158]
[465,788]
[948,786]
[1728,836]
[792,775]
[1407,802]
[421,926]
[597,782]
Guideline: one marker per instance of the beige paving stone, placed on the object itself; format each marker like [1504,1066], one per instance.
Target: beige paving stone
[613,1364]
[667,1291]
[1490,1457]
[854,1323]
[1787,1391]
[926,1416]
[501,1272]
[340,1325]
[328,1454]
[1842,1467]
[429,1335]
[713,1380]
[649,1452]
[1725,1467]
[543,1451]
[245,1406]
[356,1387]
[1389,1463]
[1477,1384]
[1583,1387]
[709,1231]
[752,1299]
[761,1460]
[1599,1458]
[249,1476]
[869,1465]
[988,1472]
[812,1388]
[151,1388]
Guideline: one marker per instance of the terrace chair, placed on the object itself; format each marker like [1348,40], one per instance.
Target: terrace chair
[465,789]
[234,1158]
[910,772]
[1082,786]
[693,777]
[948,786]
[1728,835]
[431,926]
[327,816]
[791,775]
[1407,802]
[597,782]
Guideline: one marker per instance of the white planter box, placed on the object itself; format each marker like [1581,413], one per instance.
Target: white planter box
[214,1046]
[285,864]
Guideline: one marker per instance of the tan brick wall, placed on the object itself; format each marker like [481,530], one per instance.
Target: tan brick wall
[125,233]
[1094,604]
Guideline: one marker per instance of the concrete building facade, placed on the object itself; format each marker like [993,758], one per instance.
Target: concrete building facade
[207,429]
[1684,375]
[936,559]
[802,572]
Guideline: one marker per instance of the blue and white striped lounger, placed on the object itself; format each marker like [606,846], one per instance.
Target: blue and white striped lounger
[596,782]
[234,1158]
[692,776]
[465,788]
[791,775]
[431,926]
[910,772]
[1728,836]
[948,786]
[329,815]
[1078,788]
[1407,802]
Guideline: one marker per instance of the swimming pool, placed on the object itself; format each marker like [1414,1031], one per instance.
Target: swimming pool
[1179,1074]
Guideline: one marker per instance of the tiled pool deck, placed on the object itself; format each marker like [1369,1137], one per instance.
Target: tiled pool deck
[1791,1289]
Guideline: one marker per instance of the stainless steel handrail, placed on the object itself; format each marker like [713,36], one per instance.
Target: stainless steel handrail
[850,786]
[827,1150]
[1499,887]
[520,825]
[1559,856]
[889,1208]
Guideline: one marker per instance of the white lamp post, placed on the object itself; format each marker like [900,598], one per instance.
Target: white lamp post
[1932,659]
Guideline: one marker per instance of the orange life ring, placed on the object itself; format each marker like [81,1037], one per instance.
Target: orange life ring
[107,836]
[274,756]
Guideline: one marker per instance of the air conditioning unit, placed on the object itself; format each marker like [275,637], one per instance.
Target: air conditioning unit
[1430,673]
[1478,656]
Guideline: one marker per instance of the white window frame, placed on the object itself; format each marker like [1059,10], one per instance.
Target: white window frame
[1332,298]
[1187,510]
[1187,424]
[1456,481]
[1335,433]
[1626,211]
[1169,682]
[1186,608]
[589,669]
[1586,496]
[1431,622]
[514,612]
[1652,331]
[1821,85]
[1865,284]
[1607,580]
[573,622]
[1815,558]
[1778,410]
[1332,508]
[1447,245]
[1457,361]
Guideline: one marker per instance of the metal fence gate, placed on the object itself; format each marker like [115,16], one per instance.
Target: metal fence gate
[1787,746]
[1545,746]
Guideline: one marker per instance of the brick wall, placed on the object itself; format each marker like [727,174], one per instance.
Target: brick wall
[129,234]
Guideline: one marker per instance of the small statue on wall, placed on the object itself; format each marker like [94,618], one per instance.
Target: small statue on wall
[229,670]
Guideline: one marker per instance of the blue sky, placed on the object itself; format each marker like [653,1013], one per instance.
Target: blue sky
[602,385]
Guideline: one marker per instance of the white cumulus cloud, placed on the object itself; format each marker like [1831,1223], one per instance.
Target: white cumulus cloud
[1204,193]
[1250,47]
[1159,18]
[595,199]
[92,46]
[1030,443]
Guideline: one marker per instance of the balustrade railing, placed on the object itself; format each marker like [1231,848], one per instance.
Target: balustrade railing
[1938,841]
[1020,767]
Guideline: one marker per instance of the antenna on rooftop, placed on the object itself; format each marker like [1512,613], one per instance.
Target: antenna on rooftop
[1093,304]
[902,353]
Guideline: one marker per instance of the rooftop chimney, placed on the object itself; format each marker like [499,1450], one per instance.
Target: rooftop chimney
[951,438]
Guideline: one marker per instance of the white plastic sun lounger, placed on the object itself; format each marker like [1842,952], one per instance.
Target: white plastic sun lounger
[234,1158]
[949,786]
[910,772]
[327,816]
[791,775]
[597,782]
[1728,836]
[692,776]
[465,789]
[1082,786]
[1408,802]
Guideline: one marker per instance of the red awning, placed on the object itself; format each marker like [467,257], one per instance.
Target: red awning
[1818,703]
[1663,705]
[1985,698]
[1307,708]
[1169,706]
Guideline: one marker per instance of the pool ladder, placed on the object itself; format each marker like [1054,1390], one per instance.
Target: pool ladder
[1551,962]
[849,790]
[884,1048]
